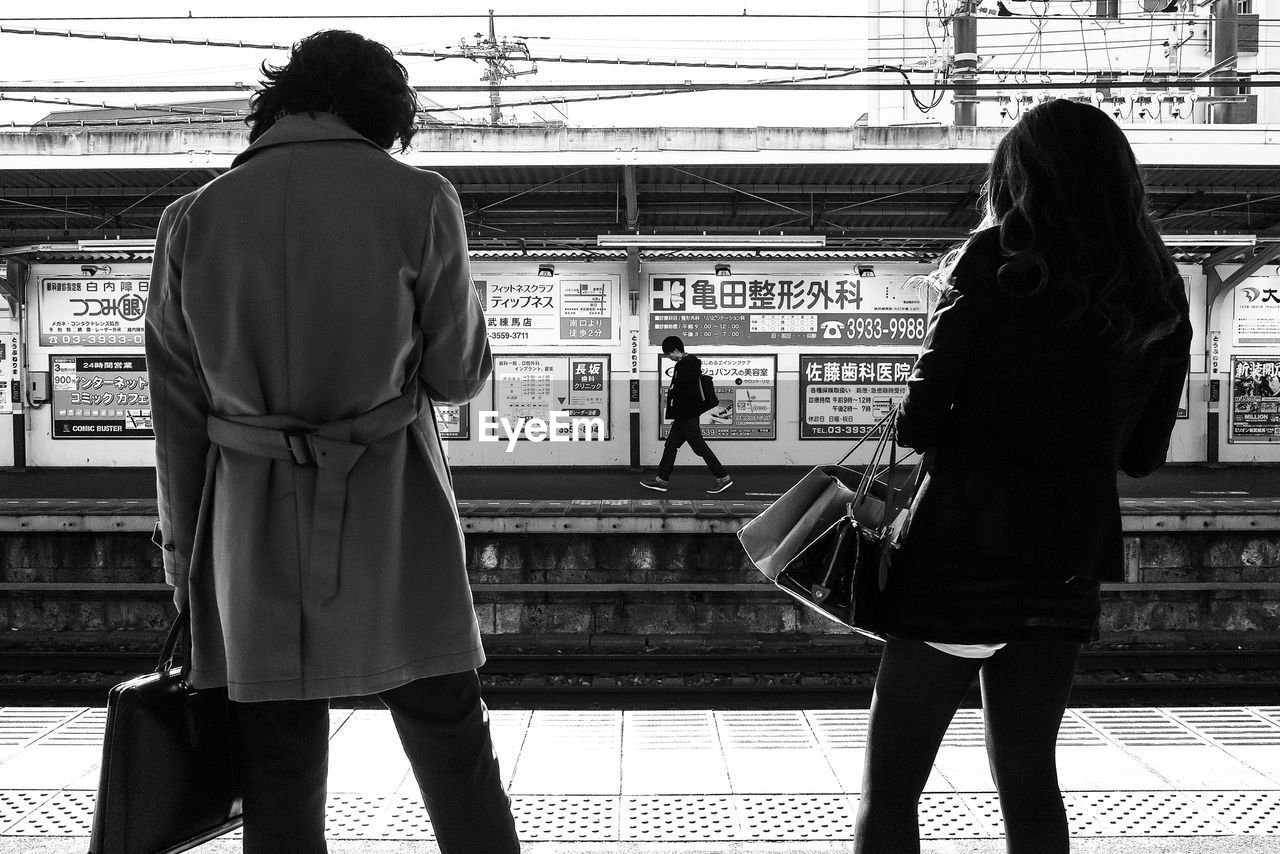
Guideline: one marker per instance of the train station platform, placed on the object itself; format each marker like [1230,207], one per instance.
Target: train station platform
[707,781]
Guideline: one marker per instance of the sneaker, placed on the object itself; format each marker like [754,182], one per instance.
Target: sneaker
[722,483]
[657,484]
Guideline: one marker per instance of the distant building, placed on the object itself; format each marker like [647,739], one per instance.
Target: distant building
[1022,43]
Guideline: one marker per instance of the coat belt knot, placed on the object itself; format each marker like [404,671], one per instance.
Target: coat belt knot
[333,449]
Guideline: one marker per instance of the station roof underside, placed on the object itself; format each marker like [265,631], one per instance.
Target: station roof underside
[551,191]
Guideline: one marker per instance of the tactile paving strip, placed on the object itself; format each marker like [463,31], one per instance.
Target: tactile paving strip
[966,730]
[840,729]
[680,819]
[1139,727]
[65,814]
[18,804]
[947,816]
[1230,726]
[86,729]
[692,730]
[21,725]
[693,818]
[1242,812]
[764,729]
[1150,814]
[792,817]
[582,819]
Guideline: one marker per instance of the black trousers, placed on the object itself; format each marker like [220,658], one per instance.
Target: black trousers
[687,430]
[444,729]
[918,689]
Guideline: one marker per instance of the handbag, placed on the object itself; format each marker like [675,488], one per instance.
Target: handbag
[707,393]
[842,573]
[169,780]
[807,509]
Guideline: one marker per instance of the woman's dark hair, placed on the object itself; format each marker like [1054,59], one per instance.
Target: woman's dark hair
[339,72]
[1066,193]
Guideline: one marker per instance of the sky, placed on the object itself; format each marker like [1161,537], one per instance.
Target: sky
[45,59]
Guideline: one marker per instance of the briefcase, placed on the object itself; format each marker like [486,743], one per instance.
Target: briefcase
[169,780]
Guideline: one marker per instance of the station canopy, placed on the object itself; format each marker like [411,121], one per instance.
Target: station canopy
[898,193]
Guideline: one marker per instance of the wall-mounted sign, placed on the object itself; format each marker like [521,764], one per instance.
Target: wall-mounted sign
[533,386]
[453,420]
[1255,399]
[96,312]
[842,397]
[101,397]
[1257,312]
[747,387]
[10,381]
[548,311]
[835,311]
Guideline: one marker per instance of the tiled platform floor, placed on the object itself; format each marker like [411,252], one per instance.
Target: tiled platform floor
[726,776]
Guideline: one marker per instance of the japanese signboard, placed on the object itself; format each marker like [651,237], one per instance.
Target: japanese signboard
[453,420]
[1257,312]
[1255,399]
[97,312]
[788,309]
[101,397]
[747,389]
[10,382]
[842,397]
[547,311]
[558,390]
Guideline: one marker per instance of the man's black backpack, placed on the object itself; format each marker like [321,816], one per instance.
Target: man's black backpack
[707,393]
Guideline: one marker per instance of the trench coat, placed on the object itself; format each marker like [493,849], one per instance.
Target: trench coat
[1028,418]
[315,281]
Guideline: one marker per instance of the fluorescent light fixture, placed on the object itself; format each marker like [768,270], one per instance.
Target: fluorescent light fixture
[717,241]
[723,270]
[1210,239]
[866,271]
[116,245]
[546,269]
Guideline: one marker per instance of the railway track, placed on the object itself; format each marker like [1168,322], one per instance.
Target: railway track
[658,679]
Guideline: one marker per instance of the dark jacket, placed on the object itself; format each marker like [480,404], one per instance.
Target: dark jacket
[684,395]
[1028,418]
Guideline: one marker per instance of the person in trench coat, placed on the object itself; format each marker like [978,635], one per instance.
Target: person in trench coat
[306,309]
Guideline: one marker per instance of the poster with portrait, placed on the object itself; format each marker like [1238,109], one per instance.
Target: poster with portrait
[1255,399]
[747,388]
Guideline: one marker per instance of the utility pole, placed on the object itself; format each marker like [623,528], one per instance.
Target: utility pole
[497,54]
[1225,32]
[964,66]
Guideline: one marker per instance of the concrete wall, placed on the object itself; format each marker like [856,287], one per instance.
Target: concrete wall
[638,591]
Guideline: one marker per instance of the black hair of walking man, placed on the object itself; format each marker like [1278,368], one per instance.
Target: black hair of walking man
[685,405]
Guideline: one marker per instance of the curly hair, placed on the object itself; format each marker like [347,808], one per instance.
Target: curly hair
[340,72]
[1066,193]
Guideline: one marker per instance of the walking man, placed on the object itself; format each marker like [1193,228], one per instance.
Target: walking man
[686,401]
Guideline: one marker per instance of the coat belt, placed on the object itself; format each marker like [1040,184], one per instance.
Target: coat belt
[333,450]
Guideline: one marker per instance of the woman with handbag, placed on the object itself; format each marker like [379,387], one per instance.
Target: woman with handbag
[1056,358]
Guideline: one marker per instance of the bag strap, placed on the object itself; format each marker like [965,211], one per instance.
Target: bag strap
[874,431]
[170,651]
